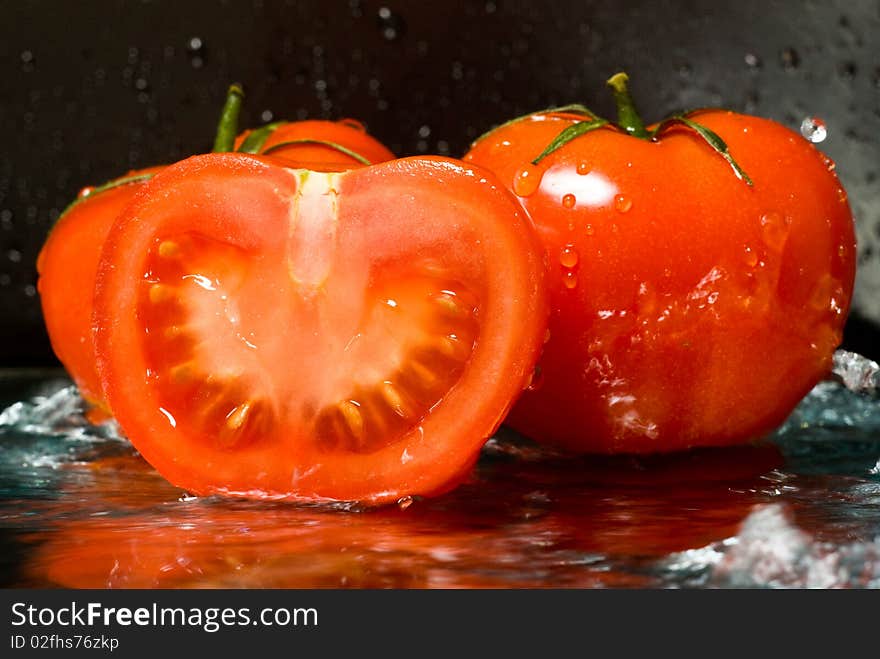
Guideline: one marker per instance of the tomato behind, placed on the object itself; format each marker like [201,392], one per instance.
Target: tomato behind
[281,333]
[66,267]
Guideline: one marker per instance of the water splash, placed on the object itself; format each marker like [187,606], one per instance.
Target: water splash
[771,551]
[857,373]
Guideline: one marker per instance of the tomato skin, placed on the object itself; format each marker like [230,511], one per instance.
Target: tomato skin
[297,143]
[66,267]
[688,308]
[397,212]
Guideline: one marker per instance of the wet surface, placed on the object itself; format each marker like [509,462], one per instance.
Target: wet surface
[79,508]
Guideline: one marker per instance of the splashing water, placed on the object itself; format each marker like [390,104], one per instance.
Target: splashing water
[800,511]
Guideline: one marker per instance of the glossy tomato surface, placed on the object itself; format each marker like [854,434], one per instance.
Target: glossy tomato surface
[688,308]
[274,332]
[66,267]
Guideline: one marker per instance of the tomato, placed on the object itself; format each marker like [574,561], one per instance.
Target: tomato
[275,332]
[66,267]
[697,293]
[320,145]
[68,260]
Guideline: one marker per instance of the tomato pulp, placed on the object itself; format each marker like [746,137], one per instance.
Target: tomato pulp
[275,332]
[689,308]
[68,260]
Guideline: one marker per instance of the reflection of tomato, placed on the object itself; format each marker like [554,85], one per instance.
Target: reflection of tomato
[519,523]
[689,307]
[649,506]
[68,261]
[289,333]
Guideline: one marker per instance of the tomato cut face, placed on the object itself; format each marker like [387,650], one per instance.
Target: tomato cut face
[288,333]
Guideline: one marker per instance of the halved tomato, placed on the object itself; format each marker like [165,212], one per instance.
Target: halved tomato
[274,332]
[68,262]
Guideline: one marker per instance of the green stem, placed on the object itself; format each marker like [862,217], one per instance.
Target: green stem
[227,127]
[332,145]
[567,135]
[627,116]
[257,138]
[104,187]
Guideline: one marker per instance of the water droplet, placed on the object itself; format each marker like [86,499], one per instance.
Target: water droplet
[847,70]
[841,250]
[622,203]
[527,180]
[568,257]
[583,168]
[821,298]
[588,229]
[569,279]
[569,200]
[535,379]
[790,59]
[14,256]
[27,60]
[841,195]
[775,230]
[404,502]
[830,165]
[753,61]
[751,258]
[195,48]
[814,129]
[85,192]
[30,290]
[391,25]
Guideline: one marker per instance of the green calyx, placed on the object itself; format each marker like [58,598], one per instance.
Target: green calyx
[104,187]
[256,140]
[333,145]
[628,121]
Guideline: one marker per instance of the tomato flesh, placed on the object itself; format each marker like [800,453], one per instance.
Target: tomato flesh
[289,333]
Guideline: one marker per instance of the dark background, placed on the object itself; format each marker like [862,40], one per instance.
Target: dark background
[90,89]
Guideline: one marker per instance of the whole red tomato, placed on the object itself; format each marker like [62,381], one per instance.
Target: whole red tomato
[272,332]
[698,288]
[69,258]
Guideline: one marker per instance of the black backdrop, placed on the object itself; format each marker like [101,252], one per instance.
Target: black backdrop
[91,88]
